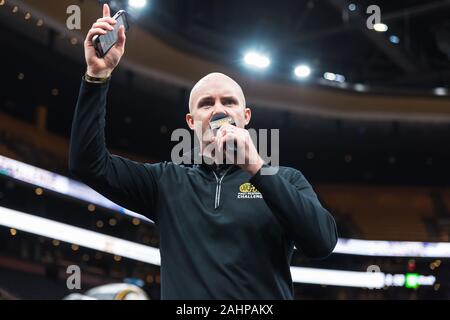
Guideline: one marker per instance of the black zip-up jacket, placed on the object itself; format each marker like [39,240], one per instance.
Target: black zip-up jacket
[223,234]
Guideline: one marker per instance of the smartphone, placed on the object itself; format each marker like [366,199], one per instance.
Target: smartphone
[103,43]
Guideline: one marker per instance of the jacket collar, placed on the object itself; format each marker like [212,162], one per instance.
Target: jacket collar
[205,166]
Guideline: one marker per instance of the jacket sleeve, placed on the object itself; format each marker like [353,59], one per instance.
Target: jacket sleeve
[297,208]
[130,184]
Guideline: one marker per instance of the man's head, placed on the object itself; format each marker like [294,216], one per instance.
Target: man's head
[213,94]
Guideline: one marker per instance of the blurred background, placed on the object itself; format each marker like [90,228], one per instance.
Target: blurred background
[363,113]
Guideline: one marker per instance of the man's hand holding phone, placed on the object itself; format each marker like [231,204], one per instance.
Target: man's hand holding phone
[103,67]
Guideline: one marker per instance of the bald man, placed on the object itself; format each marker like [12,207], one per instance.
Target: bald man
[226,230]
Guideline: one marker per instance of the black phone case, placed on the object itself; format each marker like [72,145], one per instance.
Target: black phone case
[97,42]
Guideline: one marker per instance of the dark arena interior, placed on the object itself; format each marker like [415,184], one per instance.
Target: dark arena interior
[358,92]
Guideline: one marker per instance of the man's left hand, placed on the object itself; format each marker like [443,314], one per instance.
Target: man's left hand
[247,156]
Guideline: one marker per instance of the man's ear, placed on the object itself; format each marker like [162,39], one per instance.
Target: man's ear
[247,115]
[190,121]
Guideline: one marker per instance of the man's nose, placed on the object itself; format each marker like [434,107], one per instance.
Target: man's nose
[219,108]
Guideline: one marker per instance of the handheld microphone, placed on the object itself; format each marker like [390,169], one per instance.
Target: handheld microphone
[217,121]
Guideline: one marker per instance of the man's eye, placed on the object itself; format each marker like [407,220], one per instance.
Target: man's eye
[205,105]
[229,103]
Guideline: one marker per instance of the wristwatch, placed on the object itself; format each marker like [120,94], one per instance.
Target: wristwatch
[91,79]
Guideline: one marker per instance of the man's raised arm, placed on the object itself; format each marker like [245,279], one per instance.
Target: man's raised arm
[128,183]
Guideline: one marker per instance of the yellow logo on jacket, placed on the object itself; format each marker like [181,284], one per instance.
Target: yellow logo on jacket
[248,191]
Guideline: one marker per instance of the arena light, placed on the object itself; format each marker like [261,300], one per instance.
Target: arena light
[393,248]
[440,91]
[394,39]
[340,78]
[329,76]
[338,277]
[412,280]
[380,27]
[257,60]
[63,185]
[78,236]
[137,4]
[58,183]
[302,71]
[93,240]
[360,87]
[334,77]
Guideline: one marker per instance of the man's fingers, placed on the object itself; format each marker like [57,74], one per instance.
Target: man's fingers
[108,20]
[222,131]
[103,25]
[221,136]
[106,12]
[229,136]
[219,144]
[217,139]
[93,32]
[226,129]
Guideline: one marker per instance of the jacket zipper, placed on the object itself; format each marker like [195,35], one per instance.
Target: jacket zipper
[218,187]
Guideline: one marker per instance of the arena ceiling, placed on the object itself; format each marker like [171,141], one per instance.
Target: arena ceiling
[331,133]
